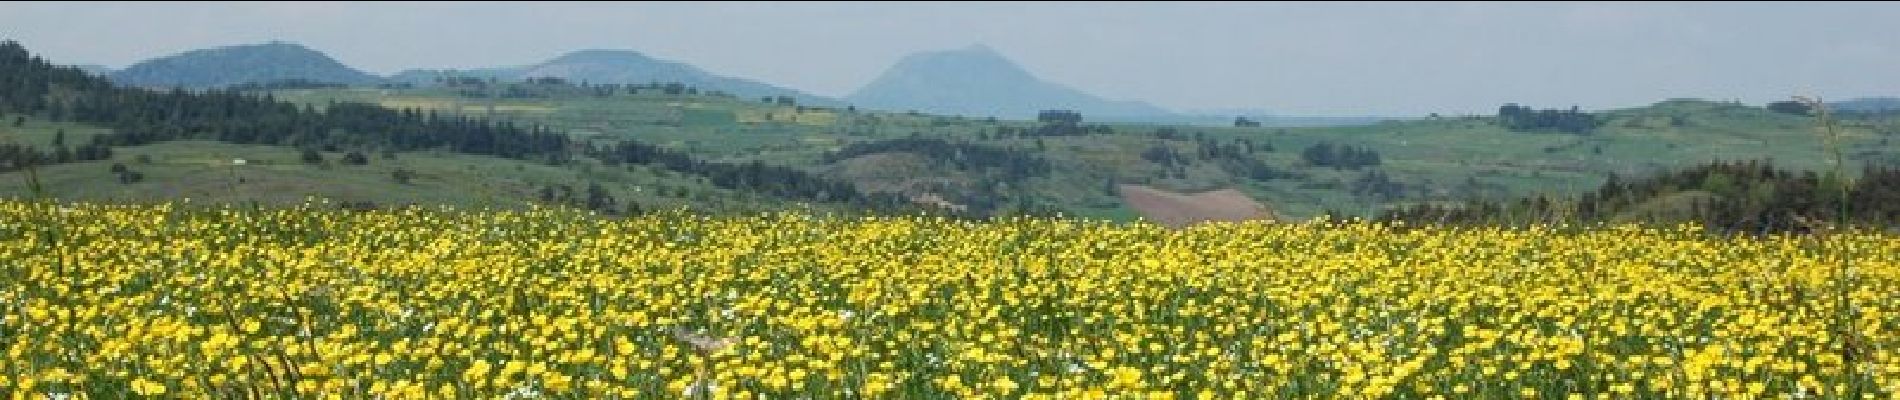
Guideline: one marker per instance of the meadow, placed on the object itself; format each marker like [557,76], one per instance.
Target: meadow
[168,300]
[1440,159]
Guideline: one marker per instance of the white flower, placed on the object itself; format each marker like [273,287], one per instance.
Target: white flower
[237,161]
[699,387]
[523,392]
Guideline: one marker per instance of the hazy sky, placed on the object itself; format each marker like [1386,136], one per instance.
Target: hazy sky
[1399,59]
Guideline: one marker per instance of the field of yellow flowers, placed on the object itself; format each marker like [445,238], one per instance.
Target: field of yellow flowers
[115,301]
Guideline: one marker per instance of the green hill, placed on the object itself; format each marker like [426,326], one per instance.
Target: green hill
[503,142]
[1444,159]
[234,65]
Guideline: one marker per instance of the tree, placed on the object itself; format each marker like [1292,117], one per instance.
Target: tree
[1320,154]
[402,175]
[130,177]
[598,199]
[1790,107]
[62,154]
[1525,119]
[1059,117]
[59,137]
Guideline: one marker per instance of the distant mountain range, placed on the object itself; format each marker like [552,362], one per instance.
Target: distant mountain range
[976,81]
[621,66]
[232,65]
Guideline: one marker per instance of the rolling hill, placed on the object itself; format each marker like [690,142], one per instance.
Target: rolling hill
[979,82]
[233,65]
[1426,160]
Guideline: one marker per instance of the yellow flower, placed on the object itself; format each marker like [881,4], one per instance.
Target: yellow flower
[1003,385]
[144,387]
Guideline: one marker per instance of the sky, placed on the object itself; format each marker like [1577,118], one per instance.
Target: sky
[1386,59]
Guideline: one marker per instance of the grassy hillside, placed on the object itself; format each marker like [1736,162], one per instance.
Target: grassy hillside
[1441,159]
[206,172]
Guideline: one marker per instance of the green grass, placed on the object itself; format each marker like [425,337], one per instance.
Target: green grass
[39,132]
[1438,159]
[204,172]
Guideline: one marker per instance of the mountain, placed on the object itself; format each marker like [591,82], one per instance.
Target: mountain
[976,81]
[232,65]
[623,66]
[1867,104]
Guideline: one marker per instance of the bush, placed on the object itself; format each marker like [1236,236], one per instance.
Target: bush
[1790,107]
[355,158]
[402,176]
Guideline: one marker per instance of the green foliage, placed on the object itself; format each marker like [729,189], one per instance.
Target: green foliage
[1525,119]
[402,175]
[1324,154]
[1746,197]
[1791,107]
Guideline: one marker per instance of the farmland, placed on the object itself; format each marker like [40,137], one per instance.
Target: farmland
[111,301]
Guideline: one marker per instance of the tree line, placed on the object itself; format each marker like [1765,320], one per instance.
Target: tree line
[1325,154]
[773,180]
[1743,196]
[1524,119]
[1013,165]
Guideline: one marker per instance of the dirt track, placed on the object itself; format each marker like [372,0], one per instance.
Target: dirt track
[1177,210]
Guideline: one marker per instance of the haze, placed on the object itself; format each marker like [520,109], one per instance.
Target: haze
[1390,59]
